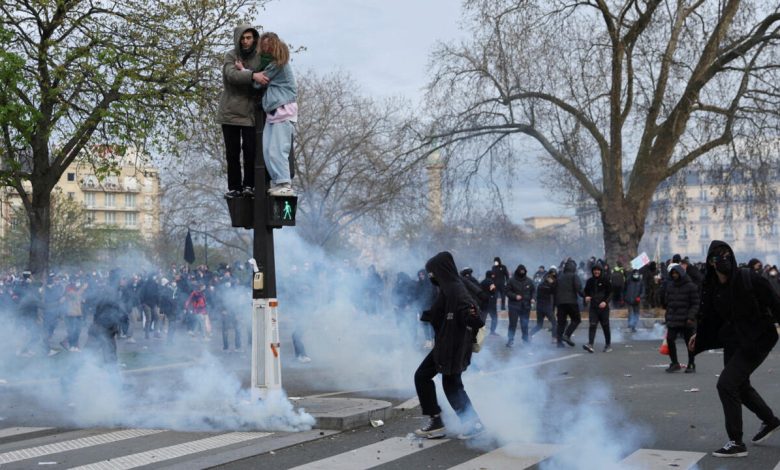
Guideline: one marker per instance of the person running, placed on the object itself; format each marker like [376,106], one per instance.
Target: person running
[681,299]
[738,313]
[597,294]
[455,320]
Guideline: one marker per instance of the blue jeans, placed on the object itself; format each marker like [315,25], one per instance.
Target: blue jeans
[633,316]
[277,143]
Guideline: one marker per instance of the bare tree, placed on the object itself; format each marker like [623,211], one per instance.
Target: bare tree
[76,73]
[620,94]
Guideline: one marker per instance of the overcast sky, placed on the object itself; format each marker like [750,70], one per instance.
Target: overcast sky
[384,45]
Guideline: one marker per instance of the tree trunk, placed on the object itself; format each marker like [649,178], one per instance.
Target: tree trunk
[623,227]
[40,232]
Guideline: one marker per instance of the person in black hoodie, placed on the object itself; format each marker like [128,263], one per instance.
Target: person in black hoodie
[567,293]
[520,292]
[106,324]
[681,299]
[597,293]
[489,307]
[455,320]
[738,313]
[545,303]
[502,276]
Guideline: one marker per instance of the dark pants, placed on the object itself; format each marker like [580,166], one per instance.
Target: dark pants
[566,312]
[523,313]
[501,294]
[298,348]
[671,336]
[453,390]
[103,340]
[599,316]
[493,319]
[230,322]
[545,311]
[734,389]
[238,140]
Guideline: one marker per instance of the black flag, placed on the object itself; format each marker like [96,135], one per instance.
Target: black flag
[189,250]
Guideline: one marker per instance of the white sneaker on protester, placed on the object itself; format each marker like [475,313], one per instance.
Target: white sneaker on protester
[53,352]
[284,189]
[304,359]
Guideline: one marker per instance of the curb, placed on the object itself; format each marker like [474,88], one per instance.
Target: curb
[342,414]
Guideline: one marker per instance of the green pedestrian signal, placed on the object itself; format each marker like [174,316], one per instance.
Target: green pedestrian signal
[287,213]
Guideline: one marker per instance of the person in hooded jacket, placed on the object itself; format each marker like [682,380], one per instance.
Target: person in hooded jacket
[502,276]
[520,291]
[567,293]
[489,307]
[772,276]
[598,291]
[633,294]
[738,313]
[681,299]
[475,289]
[455,320]
[236,113]
[545,303]
[106,324]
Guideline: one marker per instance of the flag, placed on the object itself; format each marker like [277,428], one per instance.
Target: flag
[189,250]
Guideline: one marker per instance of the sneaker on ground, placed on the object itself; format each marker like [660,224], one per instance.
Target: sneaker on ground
[74,349]
[433,430]
[473,431]
[673,368]
[304,359]
[588,348]
[607,349]
[766,430]
[691,369]
[53,352]
[510,343]
[131,340]
[281,190]
[731,449]
[248,192]
[232,194]
[567,340]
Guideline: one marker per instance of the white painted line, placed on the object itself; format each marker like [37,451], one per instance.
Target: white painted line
[8,432]
[373,455]
[528,366]
[173,452]
[408,404]
[74,444]
[651,459]
[511,457]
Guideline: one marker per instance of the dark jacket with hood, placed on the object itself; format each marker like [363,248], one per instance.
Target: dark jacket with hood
[520,285]
[501,272]
[635,288]
[491,294]
[454,317]
[734,313]
[237,103]
[681,299]
[569,286]
[599,289]
[545,292]
[472,285]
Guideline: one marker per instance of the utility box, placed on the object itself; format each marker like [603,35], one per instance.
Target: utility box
[281,211]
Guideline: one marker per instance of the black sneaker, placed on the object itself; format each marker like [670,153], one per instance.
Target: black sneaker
[766,430]
[731,449]
[561,345]
[567,340]
[607,349]
[433,430]
[510,343]
[232,194]
[673,368]
[248,192]
[691,369]
[588,348]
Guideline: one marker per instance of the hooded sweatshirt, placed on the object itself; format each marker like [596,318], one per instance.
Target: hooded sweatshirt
[736,314]
[569,285]
[599,289]
[681,298]
[237,102]
[520,284]
[453,316]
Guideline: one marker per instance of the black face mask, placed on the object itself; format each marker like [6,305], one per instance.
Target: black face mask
[724,266]
[522,273]
[433,280]
[635,277]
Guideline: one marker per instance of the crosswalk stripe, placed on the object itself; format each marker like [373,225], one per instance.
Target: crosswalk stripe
[651,459]
[373,455]
[511,457]
[74,444]
[8,432]
[173,452]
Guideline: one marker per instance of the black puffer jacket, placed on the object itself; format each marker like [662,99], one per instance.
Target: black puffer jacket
[681,299]
[752,310]
[520,285]
[454,317]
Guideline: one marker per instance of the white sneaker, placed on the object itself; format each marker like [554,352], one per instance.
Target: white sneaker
[53,352]
[304,359]
[74,349]
[284,189]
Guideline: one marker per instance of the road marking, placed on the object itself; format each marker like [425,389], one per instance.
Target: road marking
[408,404]
[528,366]
[74,444]
[511,457]
[652,459]
[173,452]
[8,432]
[373,455]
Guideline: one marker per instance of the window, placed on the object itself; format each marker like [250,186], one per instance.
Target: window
[682,234]
[774,230]
[110,218]
[727,213]
[148,202]
[704,213]
[705,232]
[728,233]
[131,219]
[71,176]
[703,194]
[110,200]
[749,212]
[130,201]
[90,217]
[89,199]
[750,231]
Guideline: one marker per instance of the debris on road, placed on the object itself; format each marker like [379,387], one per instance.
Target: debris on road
[377,422]
[692,390]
